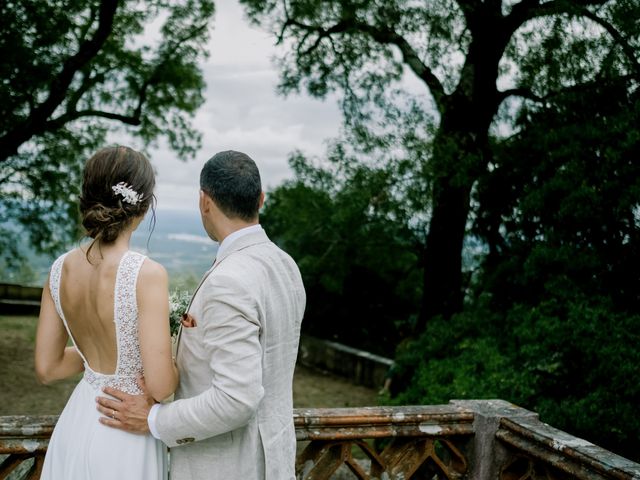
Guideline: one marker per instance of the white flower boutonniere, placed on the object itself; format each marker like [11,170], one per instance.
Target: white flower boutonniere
[178,303]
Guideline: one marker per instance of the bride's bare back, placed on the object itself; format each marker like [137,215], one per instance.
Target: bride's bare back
[116,311]
[87,295]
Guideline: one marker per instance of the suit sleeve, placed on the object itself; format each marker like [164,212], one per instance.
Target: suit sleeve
[230,334]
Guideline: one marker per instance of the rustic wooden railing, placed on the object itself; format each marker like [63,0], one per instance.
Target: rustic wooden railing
[474,439]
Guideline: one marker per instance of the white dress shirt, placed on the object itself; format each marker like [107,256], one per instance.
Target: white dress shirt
[224,245]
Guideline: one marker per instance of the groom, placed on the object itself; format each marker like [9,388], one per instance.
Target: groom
[232,417]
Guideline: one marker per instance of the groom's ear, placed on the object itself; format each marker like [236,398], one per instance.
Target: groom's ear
[204,202]
[261,202]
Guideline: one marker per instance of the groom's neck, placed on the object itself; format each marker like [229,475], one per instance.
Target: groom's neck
[230,225]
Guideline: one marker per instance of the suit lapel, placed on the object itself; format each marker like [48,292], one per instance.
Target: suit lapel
[204,277]
[240,244]
[202,280]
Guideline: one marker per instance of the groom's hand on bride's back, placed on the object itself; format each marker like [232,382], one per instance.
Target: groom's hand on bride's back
[124,411]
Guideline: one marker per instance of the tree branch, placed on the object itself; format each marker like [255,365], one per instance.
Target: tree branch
[349,93]
[527,93]
[56,123]
[529,9]
[520,13]
[522,92]
[617,36]
[468,8]
[35,123]
[384,36]
[5,178]
[285,25]
[84,31]
[414,62]
[88,82]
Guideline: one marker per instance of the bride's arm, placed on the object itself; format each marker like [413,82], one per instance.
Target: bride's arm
[160,372]
[53,359]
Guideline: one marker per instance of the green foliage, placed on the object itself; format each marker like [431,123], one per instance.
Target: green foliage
[40,192]
[459,52]
[554,321]
[73,72]
[360,275]
[348,45]
[560,206]
[588,385]
[179,301]
[540,175]
[571,359]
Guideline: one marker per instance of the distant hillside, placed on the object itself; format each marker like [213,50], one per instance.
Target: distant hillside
[178,241]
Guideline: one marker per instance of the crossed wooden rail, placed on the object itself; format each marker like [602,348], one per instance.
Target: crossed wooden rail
[474,439]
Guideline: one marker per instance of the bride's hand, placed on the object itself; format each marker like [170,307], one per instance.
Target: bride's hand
[126,412]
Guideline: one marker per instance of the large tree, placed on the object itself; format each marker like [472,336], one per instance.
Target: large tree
[72,72]
[478,61]
[554,319]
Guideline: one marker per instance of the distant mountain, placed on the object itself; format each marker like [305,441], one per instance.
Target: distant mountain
[178,241]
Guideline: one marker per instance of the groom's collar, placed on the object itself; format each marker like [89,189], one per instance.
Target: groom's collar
[233,241]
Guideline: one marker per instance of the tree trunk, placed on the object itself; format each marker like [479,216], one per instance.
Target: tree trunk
[460,156]
[442,289]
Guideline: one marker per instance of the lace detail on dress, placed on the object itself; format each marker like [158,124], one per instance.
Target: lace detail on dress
[125,311]
[126,316]
[54,285]
[126,383]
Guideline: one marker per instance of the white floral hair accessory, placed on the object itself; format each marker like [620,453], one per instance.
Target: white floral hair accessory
[129,195]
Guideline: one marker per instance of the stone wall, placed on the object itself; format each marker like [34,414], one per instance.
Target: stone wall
[359,366]
[19,300]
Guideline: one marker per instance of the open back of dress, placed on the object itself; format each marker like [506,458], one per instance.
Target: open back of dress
[125,317]
[80,446]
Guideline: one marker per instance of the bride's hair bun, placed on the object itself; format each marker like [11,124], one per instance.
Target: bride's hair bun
[117,187]
[104,222]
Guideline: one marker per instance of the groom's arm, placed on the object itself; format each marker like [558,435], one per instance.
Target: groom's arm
[230,334]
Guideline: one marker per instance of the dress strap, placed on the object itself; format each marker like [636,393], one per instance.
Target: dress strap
[54,287]
[125,314]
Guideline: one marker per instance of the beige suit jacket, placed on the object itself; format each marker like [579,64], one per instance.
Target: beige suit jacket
[232,417]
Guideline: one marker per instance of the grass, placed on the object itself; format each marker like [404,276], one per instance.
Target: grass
[21,394]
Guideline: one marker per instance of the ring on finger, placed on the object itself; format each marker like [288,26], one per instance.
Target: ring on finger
[113,414]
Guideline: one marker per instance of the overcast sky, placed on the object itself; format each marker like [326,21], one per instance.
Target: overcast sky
[242,112]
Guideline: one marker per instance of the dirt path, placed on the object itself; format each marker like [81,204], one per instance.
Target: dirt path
[21,394]
[317,389]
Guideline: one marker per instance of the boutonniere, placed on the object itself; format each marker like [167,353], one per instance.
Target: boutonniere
[188,321]
[178,303]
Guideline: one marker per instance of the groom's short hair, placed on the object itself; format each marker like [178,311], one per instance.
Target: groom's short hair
[232,180]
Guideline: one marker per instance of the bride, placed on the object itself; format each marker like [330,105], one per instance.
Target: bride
[113,304]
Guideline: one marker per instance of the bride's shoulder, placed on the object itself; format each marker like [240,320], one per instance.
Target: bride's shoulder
[71,254]
[152,282]
[152,271]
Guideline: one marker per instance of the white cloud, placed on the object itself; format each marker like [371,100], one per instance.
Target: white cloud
[190,238]
[243,112]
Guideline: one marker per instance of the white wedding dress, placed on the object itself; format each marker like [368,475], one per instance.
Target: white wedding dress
[81,447]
